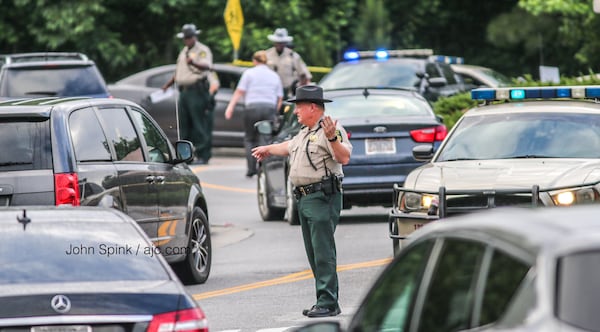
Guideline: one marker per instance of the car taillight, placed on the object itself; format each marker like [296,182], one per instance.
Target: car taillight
[181,321]
[429,135]
[66,189]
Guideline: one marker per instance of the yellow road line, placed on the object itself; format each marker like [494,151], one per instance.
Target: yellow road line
[298,276]
[216,186]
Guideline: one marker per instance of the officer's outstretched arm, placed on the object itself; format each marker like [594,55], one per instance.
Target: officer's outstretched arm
[278,149]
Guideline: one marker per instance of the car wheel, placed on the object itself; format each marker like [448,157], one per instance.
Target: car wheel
[196,266]
[265,207]
[291,205]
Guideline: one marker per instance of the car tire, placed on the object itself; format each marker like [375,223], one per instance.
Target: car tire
[267,211]
[195,268]
[291,205]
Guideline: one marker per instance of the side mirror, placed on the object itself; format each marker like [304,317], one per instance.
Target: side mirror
[437,82]
[264,127]
[329,326]
[185,152]
[423,152]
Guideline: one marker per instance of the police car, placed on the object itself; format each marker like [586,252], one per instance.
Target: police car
[523,146]
[413,69]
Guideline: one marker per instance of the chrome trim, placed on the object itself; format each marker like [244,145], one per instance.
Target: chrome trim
[67,319]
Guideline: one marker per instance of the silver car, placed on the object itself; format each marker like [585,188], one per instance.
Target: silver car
[539,148]
[507,269]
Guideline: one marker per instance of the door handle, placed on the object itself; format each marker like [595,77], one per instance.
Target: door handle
[150,178]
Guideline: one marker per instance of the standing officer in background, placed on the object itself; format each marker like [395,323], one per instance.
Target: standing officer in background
[262,92]
[192,77]
[286,62]
[316,155]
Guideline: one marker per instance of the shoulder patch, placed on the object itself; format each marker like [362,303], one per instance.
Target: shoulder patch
[203,54]
[339,135]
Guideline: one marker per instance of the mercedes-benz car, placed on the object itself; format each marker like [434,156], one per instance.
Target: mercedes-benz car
[537,146]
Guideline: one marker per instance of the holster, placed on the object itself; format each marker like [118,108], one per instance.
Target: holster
[331,184]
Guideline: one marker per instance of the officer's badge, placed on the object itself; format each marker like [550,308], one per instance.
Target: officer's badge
[313,138]
[192,55]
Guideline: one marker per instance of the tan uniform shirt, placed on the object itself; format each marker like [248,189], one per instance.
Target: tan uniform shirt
[289,65]
[186,74]
[320,152]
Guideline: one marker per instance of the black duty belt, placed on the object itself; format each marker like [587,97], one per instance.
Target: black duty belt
[198,85]
[308,189]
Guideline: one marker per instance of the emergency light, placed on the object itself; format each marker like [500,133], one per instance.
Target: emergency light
[547,92]
[383,54]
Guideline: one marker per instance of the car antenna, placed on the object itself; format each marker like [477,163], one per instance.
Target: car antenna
[24,219]
[366,93]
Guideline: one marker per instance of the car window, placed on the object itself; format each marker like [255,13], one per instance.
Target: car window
[372,74]
[158,80]
[390,301]
[158,147]
[26,145]
[121,134]
[377,107]
[53,81]
[448,73]
[577,289]
[79,251]
[228,80]
[550,135]
[432,70]
[87,136]
[449,301]
[504,277]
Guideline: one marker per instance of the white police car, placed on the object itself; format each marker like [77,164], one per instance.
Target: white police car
[523,146]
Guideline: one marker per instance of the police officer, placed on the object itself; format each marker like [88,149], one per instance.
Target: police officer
[192,77]
[316,155]
[287,63]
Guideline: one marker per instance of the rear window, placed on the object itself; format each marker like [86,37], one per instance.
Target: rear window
[53,81]
[75,252]
[377,107]
[25,145]
[372,74]
[577,292]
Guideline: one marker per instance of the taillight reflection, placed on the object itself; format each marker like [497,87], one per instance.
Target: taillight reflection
[192,320]
[429,135]
[66,189]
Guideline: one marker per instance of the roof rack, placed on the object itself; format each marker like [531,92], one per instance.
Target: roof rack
[42,56]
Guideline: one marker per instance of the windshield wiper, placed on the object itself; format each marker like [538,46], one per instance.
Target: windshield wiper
[526,156]
[459,159]
[12,163]
[43,93]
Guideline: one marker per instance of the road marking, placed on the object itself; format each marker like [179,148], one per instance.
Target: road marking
[298,276]
[216,186]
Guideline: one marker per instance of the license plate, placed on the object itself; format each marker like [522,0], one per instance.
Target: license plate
[380,145]
[405,227]
[62,328]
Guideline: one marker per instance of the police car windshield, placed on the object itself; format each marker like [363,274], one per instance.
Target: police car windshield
[377,107]
[372,73]
[539,135]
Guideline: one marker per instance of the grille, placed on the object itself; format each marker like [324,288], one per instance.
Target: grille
[473,202]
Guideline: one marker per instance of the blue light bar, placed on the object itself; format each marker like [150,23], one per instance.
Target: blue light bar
[381,54]
[351,55]
[546,92]
[447,59]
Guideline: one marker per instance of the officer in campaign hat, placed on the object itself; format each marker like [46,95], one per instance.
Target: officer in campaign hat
[195,105]
[316,155]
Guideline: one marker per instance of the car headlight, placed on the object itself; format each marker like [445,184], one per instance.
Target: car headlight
[417,202]
[575,196]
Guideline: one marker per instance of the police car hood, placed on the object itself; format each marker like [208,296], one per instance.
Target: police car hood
[504,174]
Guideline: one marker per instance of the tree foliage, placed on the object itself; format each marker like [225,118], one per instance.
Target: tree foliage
[512,36]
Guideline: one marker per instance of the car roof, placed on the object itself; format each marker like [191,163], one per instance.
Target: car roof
[43,106]
[63,214]
[140,78]
[551,229]
[342,92]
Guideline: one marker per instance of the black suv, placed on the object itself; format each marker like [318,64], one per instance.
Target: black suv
[51,74]
[106,152]
[417,69]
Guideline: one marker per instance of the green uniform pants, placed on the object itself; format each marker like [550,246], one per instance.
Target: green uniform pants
[195,120]
[319,215]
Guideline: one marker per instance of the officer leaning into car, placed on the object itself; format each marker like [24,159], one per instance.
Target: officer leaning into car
[316,155]
[192,77]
